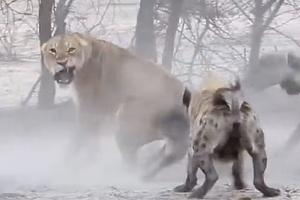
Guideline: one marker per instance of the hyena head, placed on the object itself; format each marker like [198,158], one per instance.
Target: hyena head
[228,101]
[291,82]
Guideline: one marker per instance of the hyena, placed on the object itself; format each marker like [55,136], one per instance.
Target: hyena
[224,126]
[270,70]
[291,82]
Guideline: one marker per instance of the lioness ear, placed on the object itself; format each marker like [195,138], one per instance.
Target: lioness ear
[43,47]
[293,61]
[80,39]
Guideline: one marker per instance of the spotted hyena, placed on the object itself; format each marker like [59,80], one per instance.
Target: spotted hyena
[291,82]
[270,70]
[224,126]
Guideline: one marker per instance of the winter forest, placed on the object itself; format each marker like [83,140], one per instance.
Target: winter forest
[245,38]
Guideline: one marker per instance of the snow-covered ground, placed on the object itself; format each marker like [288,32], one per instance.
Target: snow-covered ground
[33,148]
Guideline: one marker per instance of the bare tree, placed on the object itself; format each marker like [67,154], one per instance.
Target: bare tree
[173,21]
[260,25]
[12,16]
[60,14]
[145,44]
[47,87]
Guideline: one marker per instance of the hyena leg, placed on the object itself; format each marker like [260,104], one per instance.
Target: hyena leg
[259,159]
[191,179]
[205,162]
[237,172]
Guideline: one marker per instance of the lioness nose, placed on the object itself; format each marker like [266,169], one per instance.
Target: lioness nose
[62,63]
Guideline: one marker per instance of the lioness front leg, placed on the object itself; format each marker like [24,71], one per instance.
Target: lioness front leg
[205,162]
[259,159]
[174,151]
[175,128]
[86,134]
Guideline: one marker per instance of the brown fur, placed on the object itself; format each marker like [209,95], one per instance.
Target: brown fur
[107,79]
[224,126]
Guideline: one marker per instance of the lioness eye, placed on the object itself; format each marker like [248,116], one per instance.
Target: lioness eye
[52,50]
[71,50]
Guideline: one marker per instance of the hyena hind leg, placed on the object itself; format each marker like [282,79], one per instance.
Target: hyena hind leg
[191,179]
[237,172]
[205,163]
[201,157]
[259,159]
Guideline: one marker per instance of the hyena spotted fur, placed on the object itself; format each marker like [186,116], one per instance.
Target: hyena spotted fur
[224,126]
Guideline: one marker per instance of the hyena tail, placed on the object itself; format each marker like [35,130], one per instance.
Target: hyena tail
[232,97]
[235,97]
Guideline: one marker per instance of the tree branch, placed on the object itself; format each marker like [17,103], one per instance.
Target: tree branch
[272,15]
[242,10]
[285,35]
[267,5]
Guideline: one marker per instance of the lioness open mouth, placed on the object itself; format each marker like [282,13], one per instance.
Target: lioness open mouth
[65,76]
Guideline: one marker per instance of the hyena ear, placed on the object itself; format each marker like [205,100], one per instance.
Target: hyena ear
[293,61]
[219,98]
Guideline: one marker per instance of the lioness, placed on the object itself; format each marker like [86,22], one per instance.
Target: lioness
[153,102]
[224,126]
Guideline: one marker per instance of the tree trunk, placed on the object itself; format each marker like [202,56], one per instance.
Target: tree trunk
[256,39]
[145,33]
[47,87]
[61,13]
[173,21]
[256,34]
